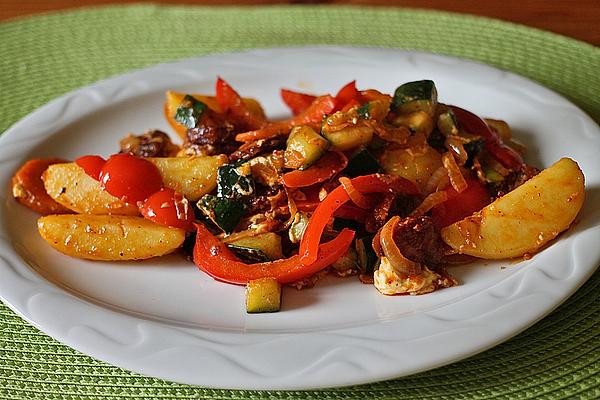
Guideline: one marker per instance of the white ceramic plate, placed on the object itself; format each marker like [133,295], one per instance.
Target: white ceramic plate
[166,319]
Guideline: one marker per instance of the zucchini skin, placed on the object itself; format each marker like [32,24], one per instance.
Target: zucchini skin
[304,147]
[415,96]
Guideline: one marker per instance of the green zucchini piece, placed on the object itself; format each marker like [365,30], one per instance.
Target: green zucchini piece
[268,244]
[304,147]
[225,213]
[249,255]
[235,181]
[362,163]
[417,121]
[347,138]
[347,263]
[366,256]
[190,111]
[415,96]
[447,123]
[263,295]
[298,227]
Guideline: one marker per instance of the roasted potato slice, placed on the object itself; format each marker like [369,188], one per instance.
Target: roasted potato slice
[109,237]
[70,186]
[193,177]
[523,220]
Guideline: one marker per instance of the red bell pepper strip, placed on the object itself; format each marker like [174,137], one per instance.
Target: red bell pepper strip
[296,101]
[506,155]
[232,104]
[347,94]
[312,116]
[329,165]
[213,257]
[374,183]
[460,205]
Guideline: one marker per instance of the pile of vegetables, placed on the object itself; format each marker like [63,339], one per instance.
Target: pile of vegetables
[390,188]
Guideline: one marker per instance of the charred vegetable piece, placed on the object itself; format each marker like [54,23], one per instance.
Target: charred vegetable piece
[415,96]
[190,111]
[225,213]
[447,123]
[297,227]
[263,295]
[304,147]
[269,244]
[234,181]
[249,255]
[346,263]
[362,163]
[366,256]
[473,147]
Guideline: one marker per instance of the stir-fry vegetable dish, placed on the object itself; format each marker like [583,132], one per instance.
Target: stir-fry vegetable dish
[391,188]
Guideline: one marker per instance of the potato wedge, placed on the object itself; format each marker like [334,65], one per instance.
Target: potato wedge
[70,186]
[174,99]
[109,237]
[193,177]
[523,220]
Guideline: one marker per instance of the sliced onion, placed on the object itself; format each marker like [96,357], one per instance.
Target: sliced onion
[434,180]
[457,180]
[355,196]
[400,263]
[455,144]
[430,201]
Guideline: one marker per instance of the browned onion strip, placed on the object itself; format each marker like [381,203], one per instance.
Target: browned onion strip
[357,197]
[435,179]
[430,201]
[392,252]
[455,144]
[457,180]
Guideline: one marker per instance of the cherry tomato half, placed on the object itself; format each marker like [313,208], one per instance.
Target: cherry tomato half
[92,165]
[130,178]
[168,208]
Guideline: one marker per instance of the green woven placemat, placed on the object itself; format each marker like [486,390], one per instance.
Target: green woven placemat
[45,56]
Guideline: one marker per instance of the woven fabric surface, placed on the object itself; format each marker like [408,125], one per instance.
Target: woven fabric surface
[47,55]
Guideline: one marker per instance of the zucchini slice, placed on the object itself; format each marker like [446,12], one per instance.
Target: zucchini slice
[263,295]
[415,96]
[362,163]
[190,111]
[304,147]
[235,181]
[225,213]
[268,244]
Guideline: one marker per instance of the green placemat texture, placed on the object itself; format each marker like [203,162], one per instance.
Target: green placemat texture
[45,56]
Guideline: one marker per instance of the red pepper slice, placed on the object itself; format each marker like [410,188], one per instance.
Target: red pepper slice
[296,101]
[214,258]
[312,116]
[506,155]
[374,183]
[330,164]
[347,94]
[92,165]
[231,103]
[460,205]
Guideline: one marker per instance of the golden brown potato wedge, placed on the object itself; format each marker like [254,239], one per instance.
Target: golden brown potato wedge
[523,220]
[70,186]
[109,237]
[193,177]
